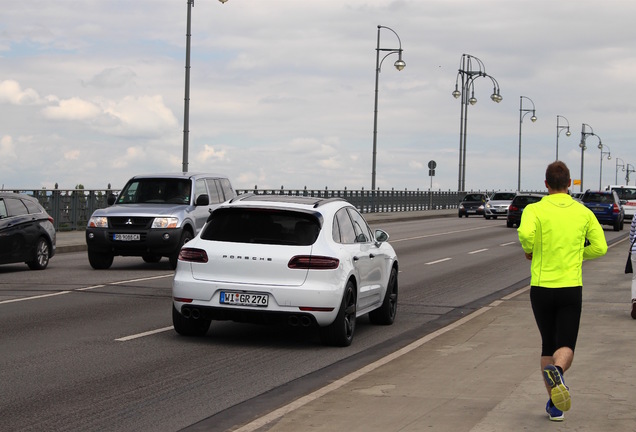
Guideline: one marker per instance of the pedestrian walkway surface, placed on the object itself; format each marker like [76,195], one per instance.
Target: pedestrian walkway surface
[482,373]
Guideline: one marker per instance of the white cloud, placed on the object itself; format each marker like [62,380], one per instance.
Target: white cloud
[72,109]
[12,93]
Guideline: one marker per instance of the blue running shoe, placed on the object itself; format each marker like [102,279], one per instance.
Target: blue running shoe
[559,393]
[554,413]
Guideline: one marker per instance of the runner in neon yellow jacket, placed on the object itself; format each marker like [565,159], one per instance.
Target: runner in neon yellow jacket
[554,231]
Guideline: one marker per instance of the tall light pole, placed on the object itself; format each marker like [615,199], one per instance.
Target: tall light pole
[622,165]
[399,65]
[559,129]
[186,99]
[584,136]
[629,170]
[470,68]
[609,156]
[522,113]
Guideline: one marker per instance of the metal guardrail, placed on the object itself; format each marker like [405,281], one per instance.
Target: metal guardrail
[71,208]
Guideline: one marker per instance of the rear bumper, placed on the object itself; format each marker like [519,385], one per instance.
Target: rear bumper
[285,303]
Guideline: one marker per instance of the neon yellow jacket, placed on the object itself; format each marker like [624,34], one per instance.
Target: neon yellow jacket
[554,230]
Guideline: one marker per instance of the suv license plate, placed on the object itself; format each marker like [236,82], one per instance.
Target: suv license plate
[243,299]
[126,237]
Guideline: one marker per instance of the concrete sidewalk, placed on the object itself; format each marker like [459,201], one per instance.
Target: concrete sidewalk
[482,373]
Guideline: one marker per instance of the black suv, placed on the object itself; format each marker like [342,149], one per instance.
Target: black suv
[606,206]
[27,233]
[154,216]
[472,203]
[517,205]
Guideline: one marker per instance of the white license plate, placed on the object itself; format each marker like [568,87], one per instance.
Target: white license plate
[244,299]
[126,237]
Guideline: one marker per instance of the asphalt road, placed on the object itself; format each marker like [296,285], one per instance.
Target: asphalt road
[94,350]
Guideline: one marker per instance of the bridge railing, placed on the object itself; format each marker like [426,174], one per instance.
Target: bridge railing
[72,208]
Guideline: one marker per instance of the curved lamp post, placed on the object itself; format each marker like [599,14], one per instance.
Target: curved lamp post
[559,129]
[584,136]
[399,65]
[622,165]
[609,156]
[186,99]
[470,68]
[522,114]
[629,170]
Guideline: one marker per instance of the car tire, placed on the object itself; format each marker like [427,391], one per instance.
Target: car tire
[189,326]
[100,260]
[509,224]
[487,217]
[340,331]
[622,224]
[151,258]
[174,258]
[385,314]
[42,255]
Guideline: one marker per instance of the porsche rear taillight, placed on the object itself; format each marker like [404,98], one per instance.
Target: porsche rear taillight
[309,262]
[193,255]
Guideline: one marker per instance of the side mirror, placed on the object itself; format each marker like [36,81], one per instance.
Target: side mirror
[381,236]
[111,199]
[203,200]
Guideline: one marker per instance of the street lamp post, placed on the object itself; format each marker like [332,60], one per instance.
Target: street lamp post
[559,128]
[629,170]
[584,136]
[622,165]
[609,156]
[186,99]
[522,114]
[399,65]
[470,68]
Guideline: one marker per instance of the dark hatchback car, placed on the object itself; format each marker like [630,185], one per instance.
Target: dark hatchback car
[472,204]
[517,205]
[606,206]
[27,233]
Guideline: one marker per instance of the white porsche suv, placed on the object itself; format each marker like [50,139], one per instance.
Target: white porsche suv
[296,260]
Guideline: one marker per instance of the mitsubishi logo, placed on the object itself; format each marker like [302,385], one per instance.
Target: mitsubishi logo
[129,222]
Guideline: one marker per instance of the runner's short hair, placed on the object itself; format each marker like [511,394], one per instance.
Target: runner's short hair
[557,175]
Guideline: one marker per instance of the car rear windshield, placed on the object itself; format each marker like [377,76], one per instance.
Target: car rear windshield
[525,200]
[503,196]
[474,197]
[598,198]
[626,193]
[262,226]
[156,191]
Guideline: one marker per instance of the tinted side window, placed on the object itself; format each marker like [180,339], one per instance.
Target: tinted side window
[363,233]
[347,233]
[226,187]
[200,189]
[215,197]
[32,207]
[15,207]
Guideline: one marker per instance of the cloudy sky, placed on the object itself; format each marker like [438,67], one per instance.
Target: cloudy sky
[282,91]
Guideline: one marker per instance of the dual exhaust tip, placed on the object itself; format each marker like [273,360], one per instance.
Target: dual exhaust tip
[293,320]
[193,313]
